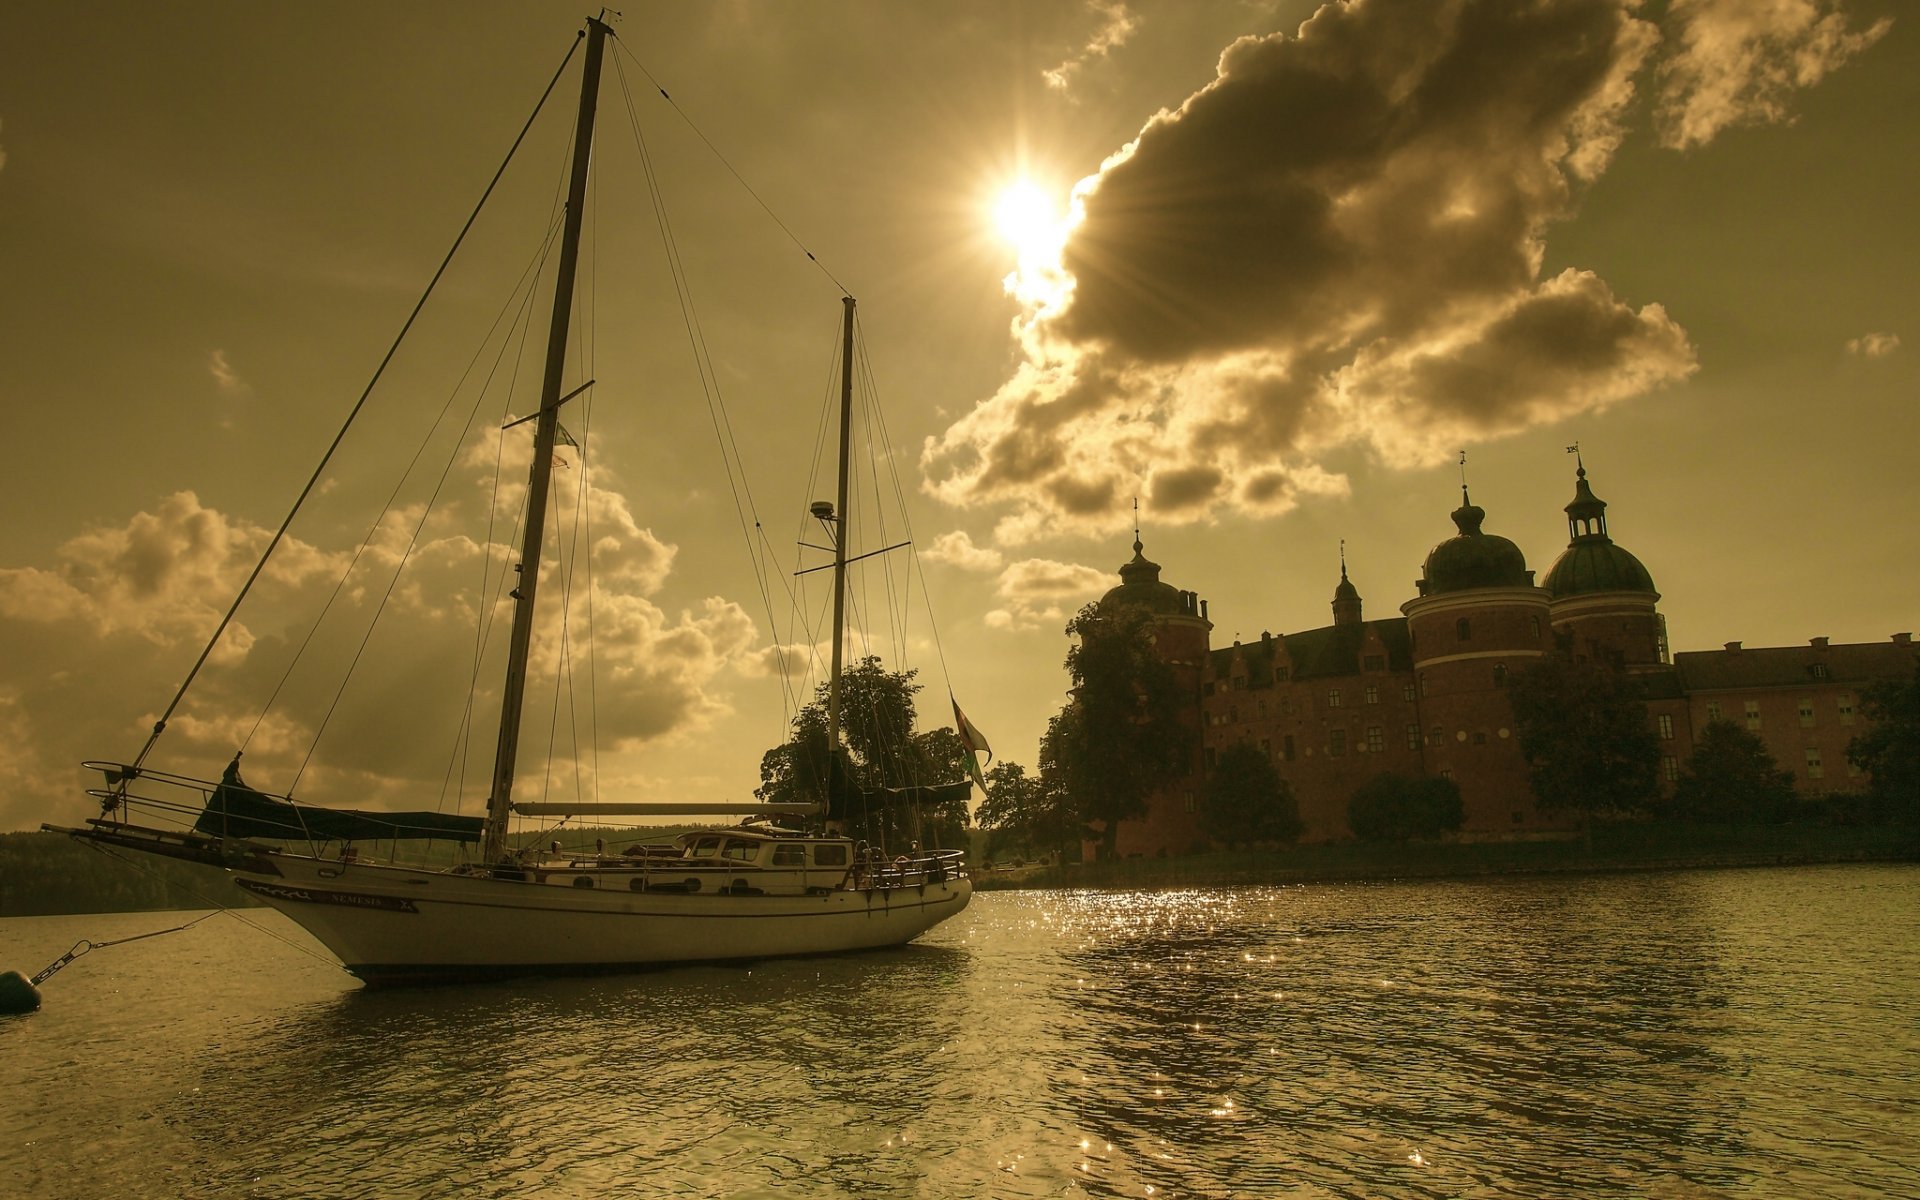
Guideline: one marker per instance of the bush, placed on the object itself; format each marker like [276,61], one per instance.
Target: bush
[1394,808]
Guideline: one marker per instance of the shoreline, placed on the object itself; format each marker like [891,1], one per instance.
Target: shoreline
[1615,849]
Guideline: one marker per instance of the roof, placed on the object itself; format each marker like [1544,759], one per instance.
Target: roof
[1472,559]
[1331,650]
[1792,666]
[1140,587]
[1593,565]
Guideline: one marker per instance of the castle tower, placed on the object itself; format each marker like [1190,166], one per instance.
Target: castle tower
[1602,598]
[1181,635]
[1476,624]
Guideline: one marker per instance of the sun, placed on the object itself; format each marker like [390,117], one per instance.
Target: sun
[1026,218]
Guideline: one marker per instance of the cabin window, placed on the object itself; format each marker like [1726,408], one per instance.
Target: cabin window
[742,851]
[830,855]
[789,855]
[706,847]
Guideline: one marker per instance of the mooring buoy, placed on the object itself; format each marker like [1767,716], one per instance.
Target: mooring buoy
[17,994]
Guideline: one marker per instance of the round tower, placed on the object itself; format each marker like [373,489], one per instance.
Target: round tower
[1180,632]
[1603,600]
[1477,623]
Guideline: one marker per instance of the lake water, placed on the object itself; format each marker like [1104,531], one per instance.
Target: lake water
[1731,1033]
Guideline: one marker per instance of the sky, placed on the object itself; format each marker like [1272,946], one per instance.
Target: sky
[1269,268]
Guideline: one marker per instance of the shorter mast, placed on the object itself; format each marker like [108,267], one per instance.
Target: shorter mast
[843,525]
[513,692]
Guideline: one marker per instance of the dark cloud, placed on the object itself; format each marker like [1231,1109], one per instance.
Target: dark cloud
[1338,241]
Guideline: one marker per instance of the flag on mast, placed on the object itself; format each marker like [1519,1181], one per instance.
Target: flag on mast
[972,741]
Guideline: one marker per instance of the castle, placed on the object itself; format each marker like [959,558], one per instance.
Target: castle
[1424,694]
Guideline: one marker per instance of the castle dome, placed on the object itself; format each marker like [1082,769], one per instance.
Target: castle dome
[1591,562]
[1472,559]
[1140,587]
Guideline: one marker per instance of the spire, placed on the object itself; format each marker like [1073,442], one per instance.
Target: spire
[1346,597]
[1586,513]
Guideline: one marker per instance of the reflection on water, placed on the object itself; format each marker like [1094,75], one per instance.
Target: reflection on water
[1753,1033]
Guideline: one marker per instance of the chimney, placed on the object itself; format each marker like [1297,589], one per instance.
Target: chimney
[1818,643]
[1733,647]
[1903,639]
[1203,610]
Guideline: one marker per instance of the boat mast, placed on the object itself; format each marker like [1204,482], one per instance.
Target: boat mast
[842,527]
[500,801]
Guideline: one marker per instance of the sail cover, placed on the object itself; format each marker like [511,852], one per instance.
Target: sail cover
[236,810]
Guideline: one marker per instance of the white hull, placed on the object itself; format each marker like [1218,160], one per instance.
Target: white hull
[395,925]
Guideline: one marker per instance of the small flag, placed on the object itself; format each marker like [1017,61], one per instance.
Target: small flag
[562,438]
[973,742]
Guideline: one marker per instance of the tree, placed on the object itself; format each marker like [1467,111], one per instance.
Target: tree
[1889,750]
[879,750]
[1119,739]
[1583,732]
[1731,778]
[1395,808]
[1023,813]
[1245,800]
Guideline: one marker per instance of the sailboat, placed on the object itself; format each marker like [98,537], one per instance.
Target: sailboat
[791,882]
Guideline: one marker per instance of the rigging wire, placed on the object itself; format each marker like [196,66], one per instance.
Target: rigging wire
[682,114]
[159,726]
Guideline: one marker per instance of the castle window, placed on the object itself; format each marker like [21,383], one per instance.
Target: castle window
[1479,737]
[1713,711]
[1846,708]
[1207,690]
[1212,756]
[1463,629]
[1373,694]
[1336,742]
[1266,747]
[1376,739]
[1286,748]
[1280,674]
[1670,767]
[1413,737]
[1535,623]
[1499,674]
[1406,693]
[1806,712]
[1446,772]
[1423,685]
[1239,683]
[1263,706]
[1190,804]
[1333,698]
[1436,735]
[1820,671]
[1814,770]
[1753,714]
[1374,662]
[1666,727]
[1853,769]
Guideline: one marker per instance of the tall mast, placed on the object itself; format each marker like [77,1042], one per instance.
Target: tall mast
[500,802]
[842,528]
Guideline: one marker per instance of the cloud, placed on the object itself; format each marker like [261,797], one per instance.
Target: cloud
[1873,345]
[1041,591]
[1118,24]
[226,377]
[1335,244]
[1738,62]
[130,605]
[957,549]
